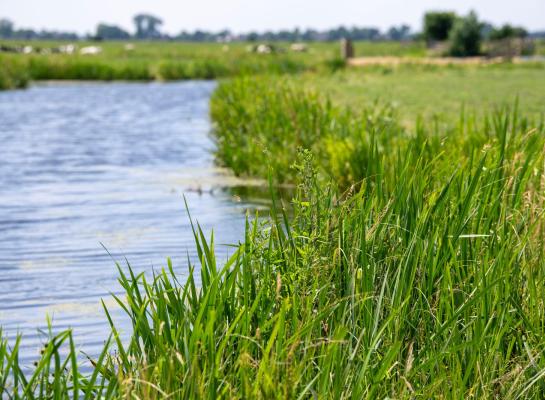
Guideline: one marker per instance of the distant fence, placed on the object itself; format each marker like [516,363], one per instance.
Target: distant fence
[347,49]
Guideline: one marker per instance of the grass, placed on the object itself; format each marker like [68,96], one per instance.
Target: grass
[390,48]
[423,279]
[161,61]
[13,75]
[540,47]
[260,120]
[435,92]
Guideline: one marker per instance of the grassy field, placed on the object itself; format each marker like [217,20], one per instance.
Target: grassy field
[409,264]
[436,92]
[540,47]
[153,61]
[175,60]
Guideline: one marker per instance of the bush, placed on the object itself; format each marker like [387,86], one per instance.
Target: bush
[507,32]
[465,37]
[437,25]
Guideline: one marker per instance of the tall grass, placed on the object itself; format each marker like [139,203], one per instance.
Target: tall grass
[13,75]
[425,280]
[262,122]
[15,71]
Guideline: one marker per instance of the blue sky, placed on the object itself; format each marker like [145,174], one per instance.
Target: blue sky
[244,15]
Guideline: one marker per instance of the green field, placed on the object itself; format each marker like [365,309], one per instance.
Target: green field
[175,60]
[436,92]
[152,61]
[409,264]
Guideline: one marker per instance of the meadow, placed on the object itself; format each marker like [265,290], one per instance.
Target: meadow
[435,92]
[175,61]
[409,263]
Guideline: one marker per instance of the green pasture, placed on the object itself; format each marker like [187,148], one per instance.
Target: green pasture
[436,91]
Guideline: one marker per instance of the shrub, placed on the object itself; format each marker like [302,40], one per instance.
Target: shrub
[508,32]
[437,25]
[465,37]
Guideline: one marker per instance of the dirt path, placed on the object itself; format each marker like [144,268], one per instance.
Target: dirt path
[389,60]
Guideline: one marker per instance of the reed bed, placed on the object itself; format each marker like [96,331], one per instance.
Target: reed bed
[409,265]
[17,71]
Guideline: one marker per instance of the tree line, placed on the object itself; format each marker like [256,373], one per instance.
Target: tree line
[148,26]
[438,26]
[466,33]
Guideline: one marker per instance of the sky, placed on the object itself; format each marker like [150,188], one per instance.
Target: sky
[239,16]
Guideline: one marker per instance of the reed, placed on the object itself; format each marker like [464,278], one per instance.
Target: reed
[12,73]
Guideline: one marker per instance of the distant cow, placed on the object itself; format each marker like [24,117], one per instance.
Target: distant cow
[67,49]
[262,48]
[90,50]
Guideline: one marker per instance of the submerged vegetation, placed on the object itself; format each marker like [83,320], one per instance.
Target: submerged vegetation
[410,265]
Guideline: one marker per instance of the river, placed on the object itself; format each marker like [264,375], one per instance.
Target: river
[87,165]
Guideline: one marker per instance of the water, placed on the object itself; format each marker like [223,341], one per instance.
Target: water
[85,164]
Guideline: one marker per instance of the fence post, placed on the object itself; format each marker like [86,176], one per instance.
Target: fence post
[347,49]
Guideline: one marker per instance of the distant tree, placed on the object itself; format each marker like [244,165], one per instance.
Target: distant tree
[310,35]
[6,28]
[537,35]
[437,25]
[252,36]
[147,26]
[364,34]
[508,32]
[111,32]
[224,35]
[486,30]
[465,36]
[399,33]
[28,34]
